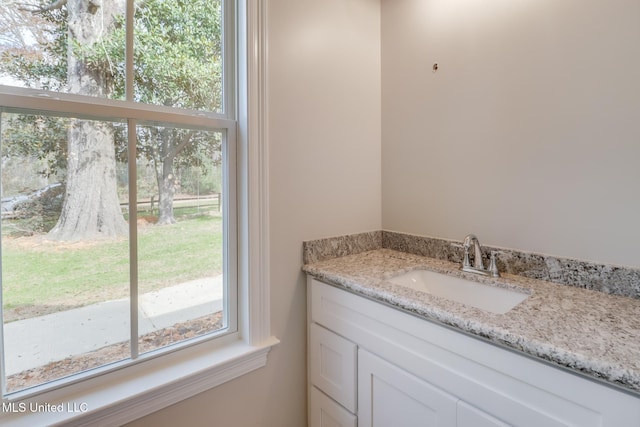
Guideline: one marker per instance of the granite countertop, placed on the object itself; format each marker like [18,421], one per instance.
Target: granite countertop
[587,331]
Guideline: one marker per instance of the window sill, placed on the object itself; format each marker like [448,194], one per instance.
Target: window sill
[135,391]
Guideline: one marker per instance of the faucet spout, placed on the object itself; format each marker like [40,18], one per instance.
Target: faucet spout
[478,267]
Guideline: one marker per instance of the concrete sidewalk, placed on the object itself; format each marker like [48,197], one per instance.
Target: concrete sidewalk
[37,341]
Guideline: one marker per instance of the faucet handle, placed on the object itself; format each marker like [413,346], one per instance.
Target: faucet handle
[465,261]
[493,266]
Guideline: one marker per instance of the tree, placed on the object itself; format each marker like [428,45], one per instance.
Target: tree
[91,208]
[178,62]
[168,148]
[177,56]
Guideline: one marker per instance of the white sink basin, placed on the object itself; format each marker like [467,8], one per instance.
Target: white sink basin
[485,297]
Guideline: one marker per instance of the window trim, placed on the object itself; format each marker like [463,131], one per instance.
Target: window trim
[139,389]
[28,100]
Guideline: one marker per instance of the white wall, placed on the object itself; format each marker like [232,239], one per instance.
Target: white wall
[324,135]
[528,135]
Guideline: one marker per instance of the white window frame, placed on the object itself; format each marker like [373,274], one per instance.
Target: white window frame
[123,395]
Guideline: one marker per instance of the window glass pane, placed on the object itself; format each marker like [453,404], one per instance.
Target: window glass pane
[76,46]
[180,235]
[178,53]
[79,47]
[65,250]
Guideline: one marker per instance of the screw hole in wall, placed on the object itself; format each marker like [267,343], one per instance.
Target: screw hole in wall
[435,67]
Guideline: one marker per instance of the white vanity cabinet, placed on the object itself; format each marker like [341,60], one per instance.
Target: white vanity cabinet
[372,365]
[332,373]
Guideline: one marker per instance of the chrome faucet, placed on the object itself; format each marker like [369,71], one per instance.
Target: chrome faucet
[478,266]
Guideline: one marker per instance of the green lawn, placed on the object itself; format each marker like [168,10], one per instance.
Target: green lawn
[45,277]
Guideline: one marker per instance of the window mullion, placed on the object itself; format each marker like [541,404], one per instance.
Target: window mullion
[129,70]
[133,234]
[133,185]
[229,78]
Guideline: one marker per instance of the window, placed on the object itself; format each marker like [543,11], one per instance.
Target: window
[124,243]
[97,225]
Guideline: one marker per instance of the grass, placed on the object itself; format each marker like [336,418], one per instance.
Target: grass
[42,277]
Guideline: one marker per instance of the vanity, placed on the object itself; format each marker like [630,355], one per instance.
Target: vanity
[385,354]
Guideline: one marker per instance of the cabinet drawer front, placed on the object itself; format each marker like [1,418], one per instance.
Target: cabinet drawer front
[327,413]
[333,365]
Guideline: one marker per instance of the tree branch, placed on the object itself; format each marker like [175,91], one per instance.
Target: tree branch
[41,9]
[185,140]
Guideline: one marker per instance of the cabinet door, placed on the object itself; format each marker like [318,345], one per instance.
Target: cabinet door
[468,416]
[333,365]
[389,397]
[327,413]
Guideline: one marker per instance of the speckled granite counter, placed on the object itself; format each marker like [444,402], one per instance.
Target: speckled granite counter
[587,331]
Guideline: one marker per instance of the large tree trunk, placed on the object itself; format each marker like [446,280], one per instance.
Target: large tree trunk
[167,185]
[91,207]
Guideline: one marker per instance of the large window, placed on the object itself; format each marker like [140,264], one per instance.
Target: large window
[118,173]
